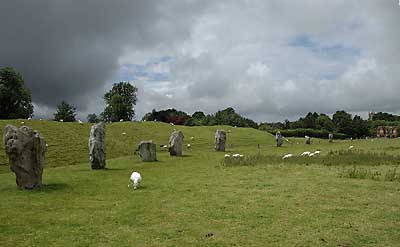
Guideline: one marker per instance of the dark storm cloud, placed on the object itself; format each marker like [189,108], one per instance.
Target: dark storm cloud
[68,50]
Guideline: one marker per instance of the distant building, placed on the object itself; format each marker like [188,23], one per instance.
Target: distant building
[387,131]
[371,115]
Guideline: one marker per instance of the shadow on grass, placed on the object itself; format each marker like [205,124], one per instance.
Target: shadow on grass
[52,187]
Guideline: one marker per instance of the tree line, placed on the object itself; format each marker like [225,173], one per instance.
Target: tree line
[16,102]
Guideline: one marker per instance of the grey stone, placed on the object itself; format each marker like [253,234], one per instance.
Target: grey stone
[97,146]
[330,137]
[308,140]
[147,150]
[175,143]
[25,149]
[220,140]
[279,139]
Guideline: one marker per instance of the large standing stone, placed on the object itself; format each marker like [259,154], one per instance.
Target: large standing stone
[97,146]
[175,143]
[278,139]
[330,137]
[147,150]
[25,149]
[308,139]
[220,140]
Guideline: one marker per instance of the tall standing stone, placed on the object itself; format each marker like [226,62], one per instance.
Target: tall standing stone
[147,150]
[175,143]
[330,137]
[25,149]
[220,140]
[308,139]
[278,139]
[97,146]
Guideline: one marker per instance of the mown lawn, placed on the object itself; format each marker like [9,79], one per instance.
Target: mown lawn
[197,200]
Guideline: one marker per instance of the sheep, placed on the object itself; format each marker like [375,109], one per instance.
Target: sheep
[80,122]
[22,122]
[192,138]
[241,156]
[164,146]
[311,154]
[136,178]
[172,124]
[351,147]
[287,156]
[121,120]
[61,120]
[235,155]
[40,119]
[318,152]
[188,146]
[307,153]
[227,156]
[29,118]
[124,133]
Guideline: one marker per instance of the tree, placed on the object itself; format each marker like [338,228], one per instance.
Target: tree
[65,112]
[93,118]
[15,98]
[120,101]
[343,122]
[324,122]
[360,127]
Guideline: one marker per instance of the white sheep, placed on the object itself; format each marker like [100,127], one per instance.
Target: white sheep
[227,156]
[121,120]
[351,147]
[124,133]
[80,122]
[307,153]
[311,154]
[29,118]
[318,152]
[287,156]
[61,120]
[192,138]
[235,155]
[241,156]
[164,146]
[172,124]
[40,119]
[22,122]
[136,178]
[189,146]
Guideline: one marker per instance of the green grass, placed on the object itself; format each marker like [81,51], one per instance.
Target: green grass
[197,200]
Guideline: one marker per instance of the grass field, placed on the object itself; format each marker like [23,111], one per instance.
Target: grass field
[341,198]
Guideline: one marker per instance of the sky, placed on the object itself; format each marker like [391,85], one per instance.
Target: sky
[270,59]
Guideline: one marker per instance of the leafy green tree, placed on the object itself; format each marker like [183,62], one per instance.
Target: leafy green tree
[120,101]
[65,112]
[343,122]
[15,98]
[324,122]
[310,119]
[93,118]
[359,127]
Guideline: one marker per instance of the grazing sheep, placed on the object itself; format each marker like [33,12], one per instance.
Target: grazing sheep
[40,119]
[136,178]
[241,156]
[29,118]
[164,146]
[172,124]
[227,156]
[351,147]
[287,156]
[307,153]
[192,138]
[121,120]
[80,122]
[235,155]
[123,133]
[22,122]
[311,154]
[189,146]
[317,152]
[61,120]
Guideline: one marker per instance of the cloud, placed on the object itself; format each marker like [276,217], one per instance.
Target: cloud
[269,60]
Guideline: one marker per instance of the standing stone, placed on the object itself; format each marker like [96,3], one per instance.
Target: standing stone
[220,140]
[308,140]
[330,137]
[25,149]
[278,139]
[97,146]
[175,143]
[147,150]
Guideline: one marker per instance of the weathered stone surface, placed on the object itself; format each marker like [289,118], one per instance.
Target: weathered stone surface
[220,140]
[97,146]
[308,140]
[175,143]
[278,139]
[330,137]
[147,150]
[25,149]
